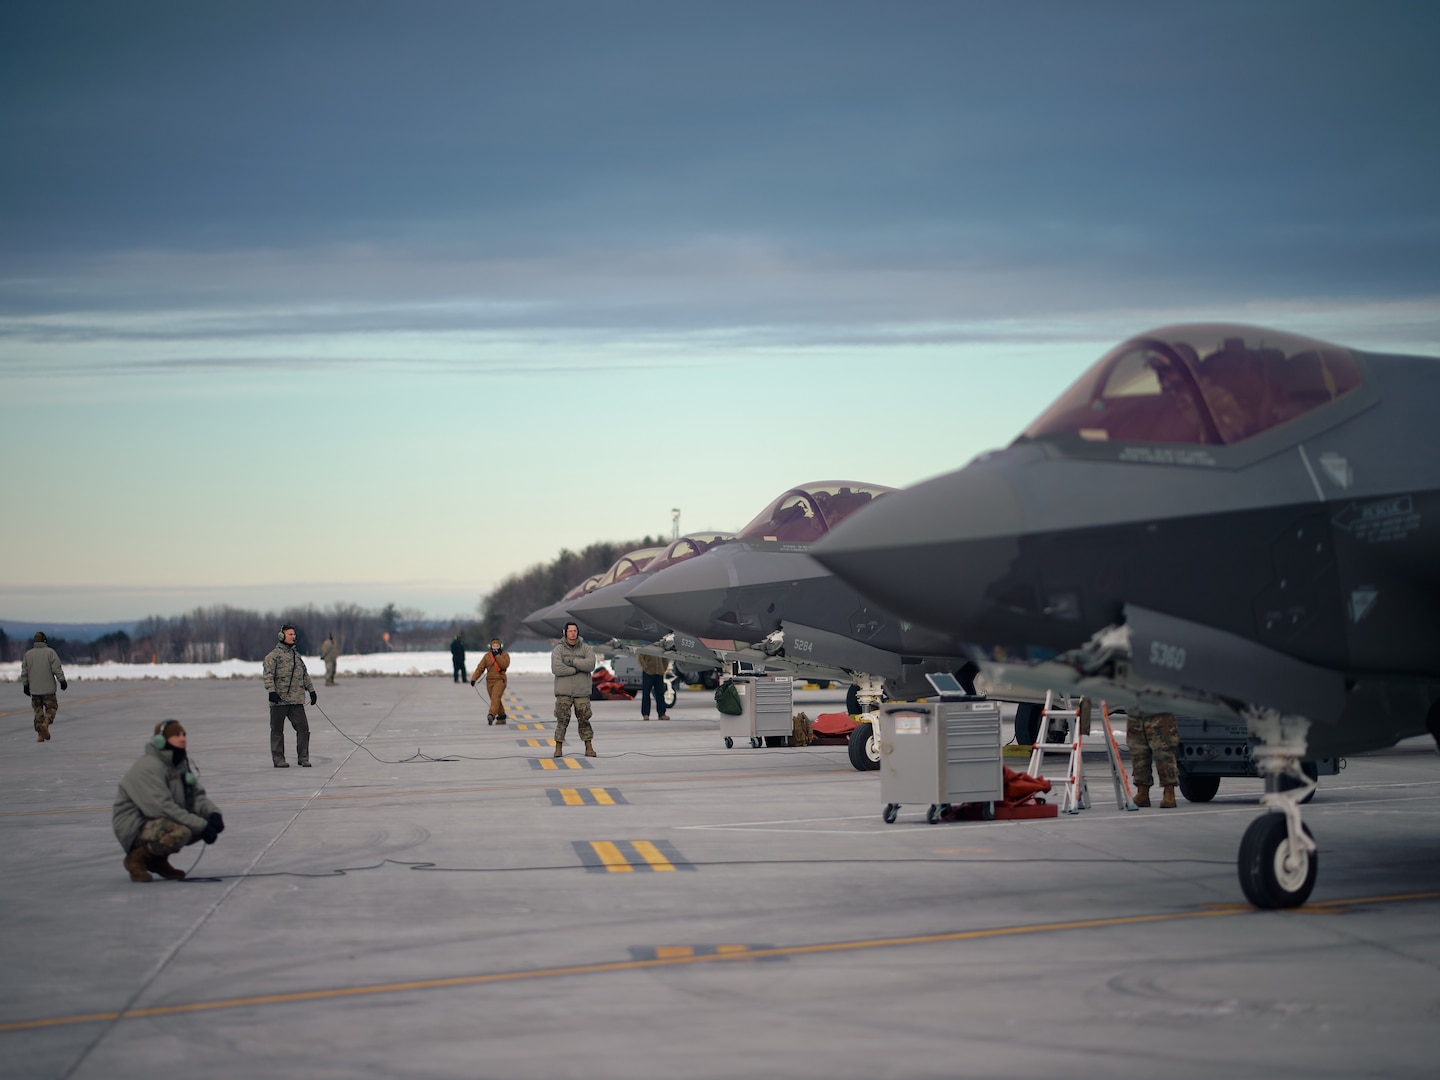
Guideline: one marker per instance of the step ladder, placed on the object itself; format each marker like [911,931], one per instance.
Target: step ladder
[1060,733]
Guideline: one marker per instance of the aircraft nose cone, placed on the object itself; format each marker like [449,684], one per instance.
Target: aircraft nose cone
[686,596]
[609,611]
[933,552]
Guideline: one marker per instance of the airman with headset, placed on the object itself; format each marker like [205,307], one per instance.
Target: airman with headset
[288,682]
[161,806]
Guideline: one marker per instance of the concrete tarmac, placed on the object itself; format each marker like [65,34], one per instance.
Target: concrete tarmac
[673,908]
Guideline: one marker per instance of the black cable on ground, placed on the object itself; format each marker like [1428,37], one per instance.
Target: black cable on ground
[432,867]
[417,756]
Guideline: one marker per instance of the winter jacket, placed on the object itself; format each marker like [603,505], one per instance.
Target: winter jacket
[652,665]
[40,667]
[571,666]
[492,666]
[155,787]
[285,674]
[329,651]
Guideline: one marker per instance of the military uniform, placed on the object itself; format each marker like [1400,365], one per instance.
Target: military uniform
[457,659]
[330,653]
[40,673]
[1153,737]
[160,807]
[571,665]
[286,675]
[494,665]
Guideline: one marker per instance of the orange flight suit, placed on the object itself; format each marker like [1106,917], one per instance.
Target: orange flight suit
[494,666]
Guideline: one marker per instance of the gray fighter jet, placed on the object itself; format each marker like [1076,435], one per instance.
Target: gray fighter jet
[550,621]
[761,597]
[605,607]
[1217,520]
[607,610]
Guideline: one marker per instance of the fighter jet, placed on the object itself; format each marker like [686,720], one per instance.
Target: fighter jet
[763,591]
[550,621]
[607,610]
[605,607]
[1218,520]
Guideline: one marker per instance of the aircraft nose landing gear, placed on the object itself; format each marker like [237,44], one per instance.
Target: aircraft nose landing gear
[1278,856]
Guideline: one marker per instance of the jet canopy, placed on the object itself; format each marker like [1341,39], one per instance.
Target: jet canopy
[1211,383]
[628,566]
[687,547]
[588,585]
[804,514]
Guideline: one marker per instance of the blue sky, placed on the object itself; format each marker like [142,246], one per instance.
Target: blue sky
[312,302]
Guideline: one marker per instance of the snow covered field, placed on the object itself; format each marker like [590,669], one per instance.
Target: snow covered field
[396,663]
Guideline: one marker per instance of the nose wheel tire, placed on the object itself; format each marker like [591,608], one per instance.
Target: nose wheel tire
[864,751]
[1198,788]
[1272,874]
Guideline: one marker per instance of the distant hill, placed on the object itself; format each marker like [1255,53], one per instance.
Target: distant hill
[24,630]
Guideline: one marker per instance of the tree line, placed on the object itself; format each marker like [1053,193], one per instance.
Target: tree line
[210,634]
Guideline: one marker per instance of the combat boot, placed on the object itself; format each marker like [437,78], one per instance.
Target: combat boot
[161,865]
[45,730]
[1142,794]
[499,719]
[135,863]
[489,718]
[589,749]
[1168,802]
[39,734]
[559,748]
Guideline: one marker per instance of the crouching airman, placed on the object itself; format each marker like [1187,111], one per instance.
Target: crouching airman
[161,806]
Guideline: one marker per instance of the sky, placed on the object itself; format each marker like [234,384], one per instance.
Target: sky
[382,302]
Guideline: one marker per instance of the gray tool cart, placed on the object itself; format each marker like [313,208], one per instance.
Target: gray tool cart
[941,753]
[768,714]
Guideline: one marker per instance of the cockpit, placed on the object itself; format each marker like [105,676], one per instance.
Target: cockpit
[1202,383]
[803,515]
[588,585]
[687,547]
[628,565]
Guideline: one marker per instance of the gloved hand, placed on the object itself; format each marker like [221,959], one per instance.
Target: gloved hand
[217,823]
[27,689]
[314,697]
[274,698]
[474,681]
[63,684]
[210,835]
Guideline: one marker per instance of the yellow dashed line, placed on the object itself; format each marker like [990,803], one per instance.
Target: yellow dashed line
[571,796]
[723,955]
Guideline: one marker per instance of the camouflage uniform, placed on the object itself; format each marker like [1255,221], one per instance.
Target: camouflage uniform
[40,673]
[285,674]
[330,653]
[571,665]
[161,804]
[1152,736]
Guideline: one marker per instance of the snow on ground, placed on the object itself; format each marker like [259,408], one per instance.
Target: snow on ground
[395,663]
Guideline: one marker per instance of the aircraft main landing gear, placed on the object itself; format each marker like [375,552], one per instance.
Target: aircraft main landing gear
[1278,855]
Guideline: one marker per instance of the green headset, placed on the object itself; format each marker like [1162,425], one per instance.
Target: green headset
[159,738]
[281,635]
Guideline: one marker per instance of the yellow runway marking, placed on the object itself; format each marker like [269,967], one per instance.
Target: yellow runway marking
[727,956]
[651,854]
[845,773]
[610,856]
